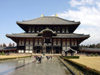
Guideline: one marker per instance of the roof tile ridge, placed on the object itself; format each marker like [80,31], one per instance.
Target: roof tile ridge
[68,20]
[16,33]
[82,34]
[62,19]
[38,18]
[28,20]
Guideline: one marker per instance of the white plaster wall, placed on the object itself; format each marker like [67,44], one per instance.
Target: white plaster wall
[75,42]
[30,51]
[27,48]
[64,47]
[31,47]
[31,42]
[20,51]
[19,42]
[27,42]
[72,42]
[26,51]
[68,43]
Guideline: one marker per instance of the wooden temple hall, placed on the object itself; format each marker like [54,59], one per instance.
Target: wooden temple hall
[47,34]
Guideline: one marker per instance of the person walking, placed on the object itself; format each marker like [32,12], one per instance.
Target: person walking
[39,59]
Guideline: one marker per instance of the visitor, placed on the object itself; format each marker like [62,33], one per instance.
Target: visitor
[48,57]
[39,59]
[51,57]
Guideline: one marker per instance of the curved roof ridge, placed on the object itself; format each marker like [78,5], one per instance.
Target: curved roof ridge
[48,20]
[28,20]
[50,17]
[67,20]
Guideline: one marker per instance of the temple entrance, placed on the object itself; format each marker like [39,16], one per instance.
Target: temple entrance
[48,49]
[47,39]
[47,45]
[57,49]
[37,51]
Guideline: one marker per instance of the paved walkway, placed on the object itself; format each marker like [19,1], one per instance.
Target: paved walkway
[29,67]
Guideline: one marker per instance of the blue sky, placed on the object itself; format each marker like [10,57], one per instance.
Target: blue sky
[18,10]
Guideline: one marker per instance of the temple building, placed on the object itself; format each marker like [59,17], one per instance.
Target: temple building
[47,34]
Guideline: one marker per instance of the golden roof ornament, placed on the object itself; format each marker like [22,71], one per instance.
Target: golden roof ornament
[56,15]
[42,15]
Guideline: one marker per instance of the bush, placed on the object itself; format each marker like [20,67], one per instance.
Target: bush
[96,54]
[91,54]
[2,53]
[71,57]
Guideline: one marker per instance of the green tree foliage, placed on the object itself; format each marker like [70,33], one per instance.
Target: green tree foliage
[90,46]
[4,45]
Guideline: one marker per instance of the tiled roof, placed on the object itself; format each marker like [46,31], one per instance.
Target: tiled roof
[48,20]
[31,35]
[73,35]
[22,35]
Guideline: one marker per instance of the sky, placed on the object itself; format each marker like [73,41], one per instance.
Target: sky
[85,11]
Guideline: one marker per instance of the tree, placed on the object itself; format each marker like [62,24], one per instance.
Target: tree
[4,45]
[13,44]
[98,45]
[10,45]
[90,46]
[0,45]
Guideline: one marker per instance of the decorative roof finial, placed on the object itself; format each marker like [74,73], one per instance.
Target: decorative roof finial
[56,15]
[42,15]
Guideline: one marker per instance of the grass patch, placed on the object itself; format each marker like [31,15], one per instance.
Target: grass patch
[86,70]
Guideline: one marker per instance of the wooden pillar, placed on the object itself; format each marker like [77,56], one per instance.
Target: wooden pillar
[52,46]
[61,45]
[78,43]
[24,45]
[42,45]
[17,44]
[70,42]
[33,45]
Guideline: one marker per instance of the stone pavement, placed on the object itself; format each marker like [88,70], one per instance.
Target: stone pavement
[28,66]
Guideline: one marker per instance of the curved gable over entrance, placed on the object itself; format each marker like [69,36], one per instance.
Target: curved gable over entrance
[47,33]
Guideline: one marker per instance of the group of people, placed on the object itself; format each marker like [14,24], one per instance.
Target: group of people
[39,58]
[49,57]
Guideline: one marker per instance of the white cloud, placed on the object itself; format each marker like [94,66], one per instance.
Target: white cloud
[93,32]
[74,3]
[89,16]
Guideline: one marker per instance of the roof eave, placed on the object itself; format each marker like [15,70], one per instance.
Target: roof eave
[20,23]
